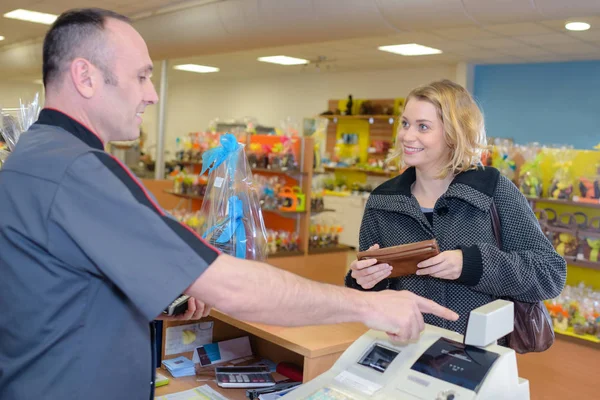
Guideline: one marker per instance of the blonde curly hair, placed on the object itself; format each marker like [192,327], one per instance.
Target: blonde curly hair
[462,120]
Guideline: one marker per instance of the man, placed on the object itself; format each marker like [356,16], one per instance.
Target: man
[88,259]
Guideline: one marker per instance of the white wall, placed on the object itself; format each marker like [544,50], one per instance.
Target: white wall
[193,104]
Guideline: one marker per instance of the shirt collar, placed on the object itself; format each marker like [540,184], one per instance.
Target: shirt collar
[53,117]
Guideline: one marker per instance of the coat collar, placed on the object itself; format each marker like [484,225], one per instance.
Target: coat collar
[50,116]
[476,187]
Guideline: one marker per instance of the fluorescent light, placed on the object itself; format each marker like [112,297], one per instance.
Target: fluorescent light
[283,60]
[201,69]
[1,38]
[577,26]
[32,16]
[411,49]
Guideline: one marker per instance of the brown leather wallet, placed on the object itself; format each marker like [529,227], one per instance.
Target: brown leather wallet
[403,258]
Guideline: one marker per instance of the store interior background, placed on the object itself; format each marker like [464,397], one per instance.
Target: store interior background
[534,80]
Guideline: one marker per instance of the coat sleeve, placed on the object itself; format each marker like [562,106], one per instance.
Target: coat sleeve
[527,268]
[369,235]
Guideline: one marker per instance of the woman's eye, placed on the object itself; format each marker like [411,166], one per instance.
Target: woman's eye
[404,124]
[423,127]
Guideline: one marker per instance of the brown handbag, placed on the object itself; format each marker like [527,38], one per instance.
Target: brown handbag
[403,258]
[533,330]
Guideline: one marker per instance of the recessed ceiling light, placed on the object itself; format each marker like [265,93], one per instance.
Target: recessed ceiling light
[32,16]
[201,69]
[283,60]
[1,38]
[411,49]
[577,26]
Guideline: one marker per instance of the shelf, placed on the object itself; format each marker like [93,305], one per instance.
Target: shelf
[281,254]
[322,211]
[365,171]
[564,202]
[284,213]
[570,335]
[351,117]
[331,249]
[184,196]
[188,162]
[279,171]
[582,263]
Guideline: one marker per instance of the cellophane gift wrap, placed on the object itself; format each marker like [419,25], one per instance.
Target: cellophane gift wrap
[231,208]
[11,127]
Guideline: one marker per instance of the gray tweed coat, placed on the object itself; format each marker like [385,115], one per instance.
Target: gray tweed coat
[527,268]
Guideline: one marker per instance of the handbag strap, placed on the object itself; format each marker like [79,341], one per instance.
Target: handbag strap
[496,224]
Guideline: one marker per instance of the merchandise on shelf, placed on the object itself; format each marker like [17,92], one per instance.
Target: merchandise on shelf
[192,219]
[561,186]
[189,184]
[277,157]
[503,157]
[589,187]
[282,241]
[234,222]
[530,174]
[590,241]
[577,307]
[324,231]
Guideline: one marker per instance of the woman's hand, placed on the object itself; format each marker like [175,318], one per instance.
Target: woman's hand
[446,265]
[368,273]
[196,310]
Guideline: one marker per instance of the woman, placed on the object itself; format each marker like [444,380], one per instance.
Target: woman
[446,195]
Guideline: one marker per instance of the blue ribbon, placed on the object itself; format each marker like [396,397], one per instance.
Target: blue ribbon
[233,225]
[228,150]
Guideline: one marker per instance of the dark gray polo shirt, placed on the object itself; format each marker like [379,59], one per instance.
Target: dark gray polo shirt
[87,261]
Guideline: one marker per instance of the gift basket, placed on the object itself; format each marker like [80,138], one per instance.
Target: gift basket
[530,177]
[562,182]
[576,308]
[11,127]
[233,221]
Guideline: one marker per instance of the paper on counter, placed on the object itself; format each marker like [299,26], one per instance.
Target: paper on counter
[184,338]
[204,392]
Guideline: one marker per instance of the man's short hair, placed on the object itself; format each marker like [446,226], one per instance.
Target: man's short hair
[78,33]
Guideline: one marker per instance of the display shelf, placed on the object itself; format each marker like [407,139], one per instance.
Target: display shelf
[363,170]
[570,335]
[291,172]
[571,203]
[184,196]
[284,213]
[331,249]
[281,254]
[350,117]
[322,211]
[582,263]
[188,162]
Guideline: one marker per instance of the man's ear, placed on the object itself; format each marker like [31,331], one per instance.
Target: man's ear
[84,77]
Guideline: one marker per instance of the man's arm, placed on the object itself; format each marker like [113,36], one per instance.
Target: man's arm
[257,292]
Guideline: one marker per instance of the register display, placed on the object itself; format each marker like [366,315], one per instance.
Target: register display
[456,363]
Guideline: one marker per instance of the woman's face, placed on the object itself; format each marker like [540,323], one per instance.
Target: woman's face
[421,135]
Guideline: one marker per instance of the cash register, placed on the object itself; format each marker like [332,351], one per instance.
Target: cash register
[441,365]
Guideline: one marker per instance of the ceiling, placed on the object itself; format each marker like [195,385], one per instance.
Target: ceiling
[231,34]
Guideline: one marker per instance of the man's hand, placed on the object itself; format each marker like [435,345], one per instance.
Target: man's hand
[446,265]
[400,314]
[368,273]
[196,310]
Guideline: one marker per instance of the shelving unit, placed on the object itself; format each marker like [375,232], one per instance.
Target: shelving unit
[571,203]
[336,118]
[326,265]
[570,335]
[363,170]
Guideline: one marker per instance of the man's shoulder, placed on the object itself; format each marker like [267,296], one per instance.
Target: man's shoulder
[45,152]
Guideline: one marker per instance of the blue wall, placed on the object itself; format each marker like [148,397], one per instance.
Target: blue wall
[550,103]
